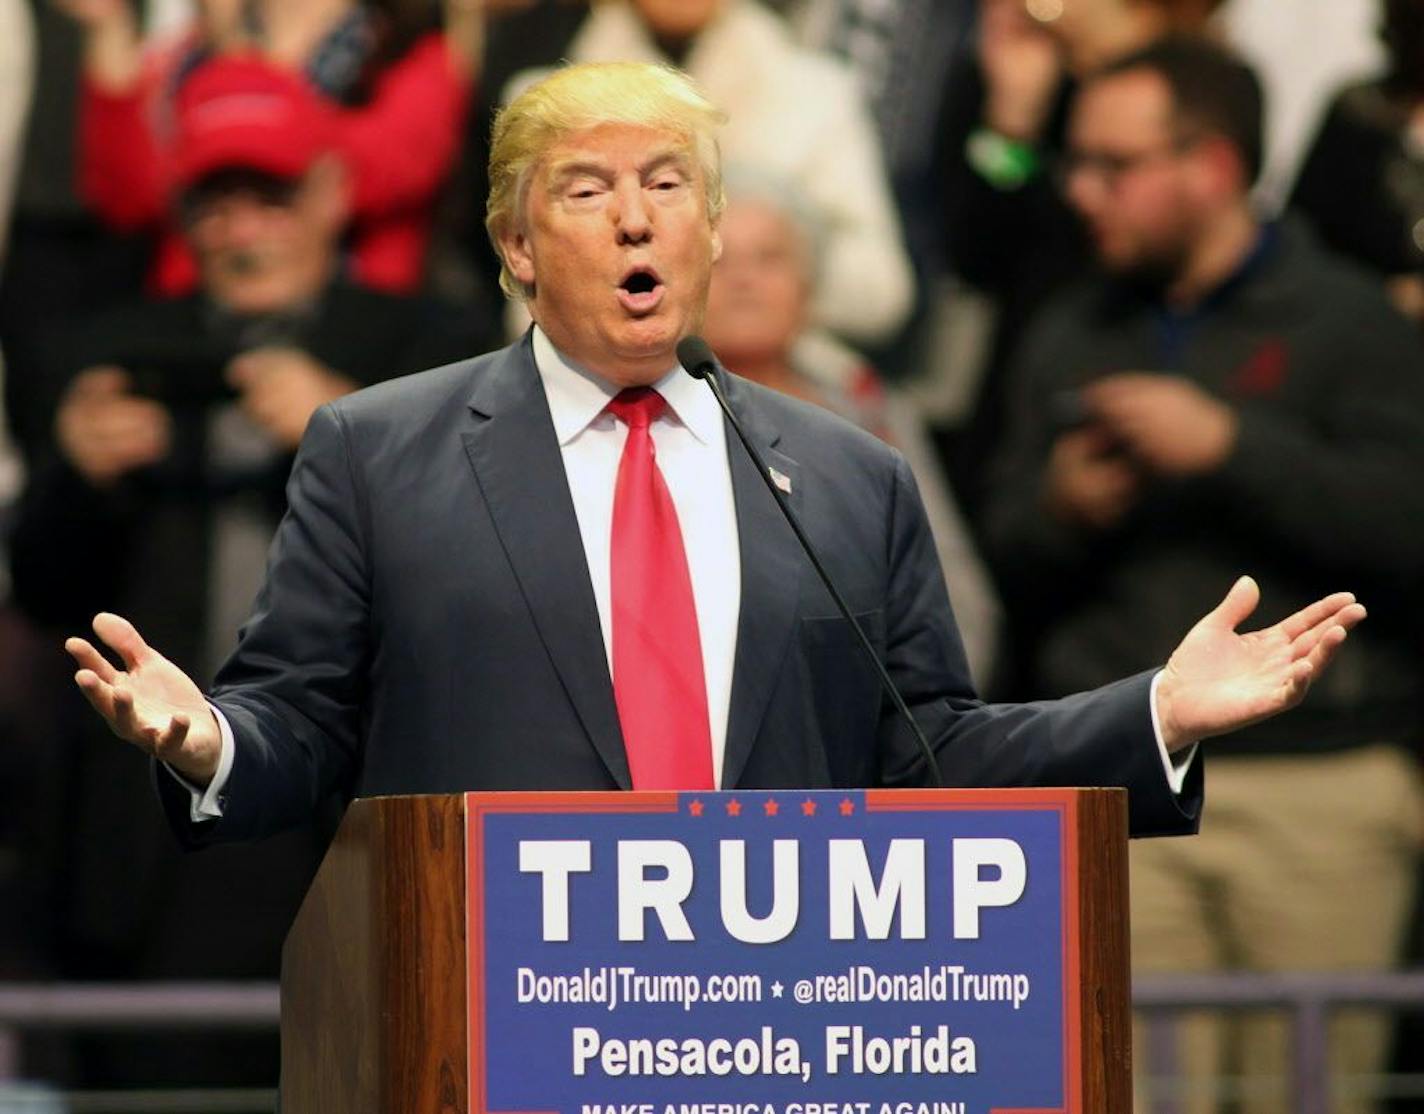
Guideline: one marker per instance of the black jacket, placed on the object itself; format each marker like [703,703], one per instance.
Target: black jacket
[1323,491]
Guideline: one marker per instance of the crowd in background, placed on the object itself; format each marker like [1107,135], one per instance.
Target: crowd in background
[1132,340]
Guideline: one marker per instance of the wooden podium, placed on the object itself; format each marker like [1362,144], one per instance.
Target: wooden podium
[374,971]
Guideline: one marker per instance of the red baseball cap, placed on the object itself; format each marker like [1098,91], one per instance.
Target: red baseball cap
[241,112]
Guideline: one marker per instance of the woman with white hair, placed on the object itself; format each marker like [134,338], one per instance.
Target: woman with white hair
[759,324]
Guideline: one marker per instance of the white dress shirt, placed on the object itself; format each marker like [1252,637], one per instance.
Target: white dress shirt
[690,444]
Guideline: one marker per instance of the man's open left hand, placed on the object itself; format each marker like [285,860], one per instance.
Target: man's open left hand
[1219,680]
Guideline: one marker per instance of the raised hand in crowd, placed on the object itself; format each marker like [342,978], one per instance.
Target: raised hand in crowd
[113,53]
[465,26]
[105,431]
[1022,69]
[150,703]
[282,387]
[91,14]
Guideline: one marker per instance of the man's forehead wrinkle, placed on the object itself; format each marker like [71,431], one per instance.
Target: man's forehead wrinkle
[596,141]
[595,158]
[667,156]
[562,169]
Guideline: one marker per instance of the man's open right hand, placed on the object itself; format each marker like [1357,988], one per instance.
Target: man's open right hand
[150,703]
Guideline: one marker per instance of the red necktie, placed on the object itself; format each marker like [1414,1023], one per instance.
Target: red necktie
[658,682]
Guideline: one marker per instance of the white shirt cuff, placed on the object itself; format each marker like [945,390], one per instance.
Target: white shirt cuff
[207,803]
[1176,765]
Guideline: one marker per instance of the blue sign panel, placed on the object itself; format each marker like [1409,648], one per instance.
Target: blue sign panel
[907,952]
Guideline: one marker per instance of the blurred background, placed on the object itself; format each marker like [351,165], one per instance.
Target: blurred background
[1137,286]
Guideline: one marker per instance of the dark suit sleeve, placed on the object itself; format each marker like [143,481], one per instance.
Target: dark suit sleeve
[294,689]
[1099,738]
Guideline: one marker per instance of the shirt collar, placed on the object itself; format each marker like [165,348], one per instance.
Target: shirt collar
[577,396]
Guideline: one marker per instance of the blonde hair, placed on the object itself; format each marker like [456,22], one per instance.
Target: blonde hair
[576,98]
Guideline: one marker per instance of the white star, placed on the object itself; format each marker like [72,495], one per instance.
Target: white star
[776,989]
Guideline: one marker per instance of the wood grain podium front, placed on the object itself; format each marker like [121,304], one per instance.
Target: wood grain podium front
[374,971]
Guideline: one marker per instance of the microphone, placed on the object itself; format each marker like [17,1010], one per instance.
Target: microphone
[696,358]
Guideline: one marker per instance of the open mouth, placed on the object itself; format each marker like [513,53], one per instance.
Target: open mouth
[641,290]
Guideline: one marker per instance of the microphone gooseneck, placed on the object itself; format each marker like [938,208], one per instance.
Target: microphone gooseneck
[698,361]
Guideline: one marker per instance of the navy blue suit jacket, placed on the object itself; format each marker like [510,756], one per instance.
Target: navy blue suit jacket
[428,623]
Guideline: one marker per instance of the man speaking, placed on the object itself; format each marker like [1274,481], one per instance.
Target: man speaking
[549,568]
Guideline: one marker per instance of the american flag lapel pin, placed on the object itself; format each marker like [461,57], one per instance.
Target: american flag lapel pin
[781,480]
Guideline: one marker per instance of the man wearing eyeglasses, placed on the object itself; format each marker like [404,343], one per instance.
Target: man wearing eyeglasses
[1226,395]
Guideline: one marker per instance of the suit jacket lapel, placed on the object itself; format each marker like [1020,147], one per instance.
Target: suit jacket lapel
[771,570]
[517,461]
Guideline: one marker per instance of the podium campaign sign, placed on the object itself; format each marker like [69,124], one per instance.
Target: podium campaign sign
[876,952]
